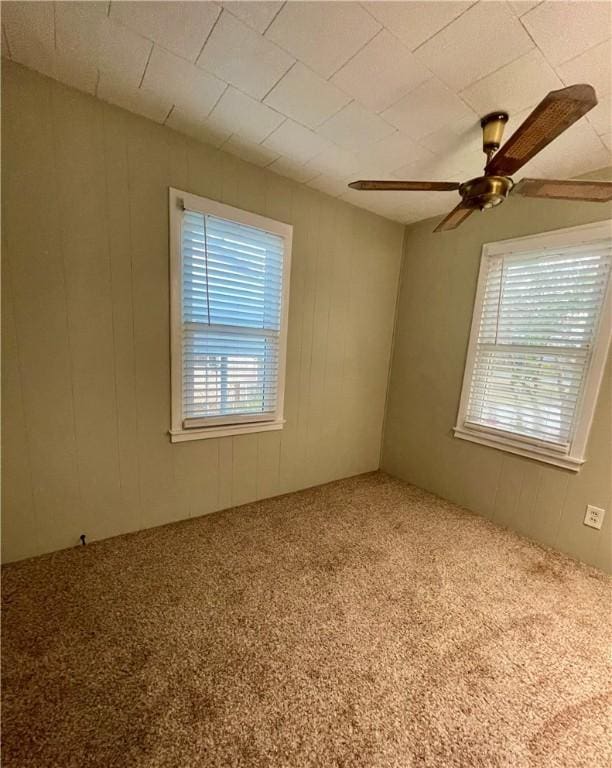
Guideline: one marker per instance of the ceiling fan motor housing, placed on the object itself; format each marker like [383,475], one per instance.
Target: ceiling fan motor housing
[485,191]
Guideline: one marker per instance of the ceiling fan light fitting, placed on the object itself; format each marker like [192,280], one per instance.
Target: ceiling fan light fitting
[493,126]
[553,115]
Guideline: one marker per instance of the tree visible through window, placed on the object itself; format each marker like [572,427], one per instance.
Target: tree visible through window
[231,279]
[542,311]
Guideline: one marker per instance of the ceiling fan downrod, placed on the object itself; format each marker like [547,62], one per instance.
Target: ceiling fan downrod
[557,112]
[490,189]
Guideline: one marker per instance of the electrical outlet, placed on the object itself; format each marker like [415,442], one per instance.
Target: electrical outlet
[594,516]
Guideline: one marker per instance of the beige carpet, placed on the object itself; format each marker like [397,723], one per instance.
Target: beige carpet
[364,623]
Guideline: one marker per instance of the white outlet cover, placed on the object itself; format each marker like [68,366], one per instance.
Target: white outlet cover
[594,516]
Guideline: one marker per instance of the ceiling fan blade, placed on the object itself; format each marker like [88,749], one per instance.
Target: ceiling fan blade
[553,115]
[562,189]
[456,217]
[405,186]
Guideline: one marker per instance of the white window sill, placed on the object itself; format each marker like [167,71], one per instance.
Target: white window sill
[203,433]
[520,449]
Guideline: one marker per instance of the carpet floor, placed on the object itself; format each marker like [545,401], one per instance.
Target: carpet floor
[361,624]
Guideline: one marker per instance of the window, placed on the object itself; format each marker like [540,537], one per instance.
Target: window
[229,294]
[538,344]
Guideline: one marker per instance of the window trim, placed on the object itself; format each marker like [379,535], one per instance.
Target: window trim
[179,200]
[576,455]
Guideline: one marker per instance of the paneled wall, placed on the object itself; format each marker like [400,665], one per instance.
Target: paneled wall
[435,305]
[86,397]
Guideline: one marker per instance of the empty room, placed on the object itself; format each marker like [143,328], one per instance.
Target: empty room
[306,384]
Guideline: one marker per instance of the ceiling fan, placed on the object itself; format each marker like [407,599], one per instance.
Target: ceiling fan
[553,115]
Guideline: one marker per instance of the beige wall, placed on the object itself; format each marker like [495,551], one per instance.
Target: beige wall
[434,314]
[85,342]
[86,400]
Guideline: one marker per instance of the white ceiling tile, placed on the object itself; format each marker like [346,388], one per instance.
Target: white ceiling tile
[593,66]
[439,137]
[600,116]
[296,142]
[323,35]
[442,168]
[577,150]
[389,210]
[257,15]
[86,35]
[415,22]
[180,27]
[330,185]
[566,28]
[392,152]
[142,101]
[246,150]
[239,113]
[292,170]
[570,167]
[484,38]
[531,170]
[242,57]
[423,205]
[5,46]
[195,126]
[335,161]
[355,127]
[521,84]
[306,97]
[27,26]
[381,73]
[181,82]
[374,201]
[462,167]
[520,7]
[82,76]
[457,138]
[427,108]
[29,30]
[53,64]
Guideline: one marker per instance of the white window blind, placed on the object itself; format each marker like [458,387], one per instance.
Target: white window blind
[539,315]
[232,278]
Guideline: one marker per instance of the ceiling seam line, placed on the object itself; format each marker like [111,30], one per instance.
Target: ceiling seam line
[530,36]
[146,66]
[459,93]
[273,19]
[6,40]
[554,68]
[578,55]
[408,93]
[327,119]
[267,136]
[212,29]
[168,115]
[269,91]
[223,92]
[357,52]
[437,32]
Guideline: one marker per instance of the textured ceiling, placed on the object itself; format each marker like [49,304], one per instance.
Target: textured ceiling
[326,92]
